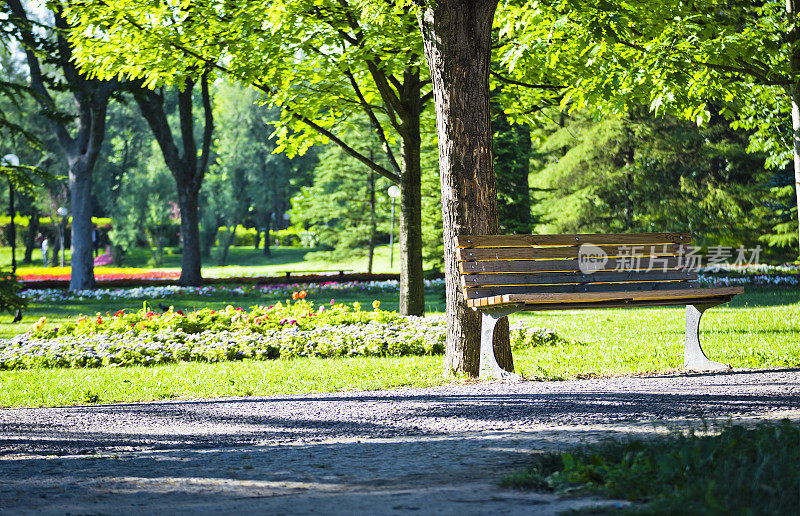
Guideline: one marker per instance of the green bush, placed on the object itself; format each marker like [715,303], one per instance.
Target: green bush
[289,237]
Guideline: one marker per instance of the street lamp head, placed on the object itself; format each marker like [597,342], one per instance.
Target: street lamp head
[62,211]
[394,192]
[11,159]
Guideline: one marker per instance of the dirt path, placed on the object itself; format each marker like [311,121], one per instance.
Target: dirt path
[431,451]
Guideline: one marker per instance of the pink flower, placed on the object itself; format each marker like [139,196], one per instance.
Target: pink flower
[332,301]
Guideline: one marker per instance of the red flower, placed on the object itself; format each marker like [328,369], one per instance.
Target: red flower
[180,312]
[99,320]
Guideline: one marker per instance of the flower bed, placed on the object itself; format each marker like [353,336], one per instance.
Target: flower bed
[42,275]
[59,277]
[284,290]
[279,331]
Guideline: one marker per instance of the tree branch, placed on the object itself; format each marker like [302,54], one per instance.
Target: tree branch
[37,79]
[524,84]
[186,118]
[375,122]
[151,104]
[208,130]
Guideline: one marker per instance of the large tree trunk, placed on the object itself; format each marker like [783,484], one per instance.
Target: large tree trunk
[457,39]
[188,169]
[191,260]
[81,245]
[412,281]
[91,100]
[792,10]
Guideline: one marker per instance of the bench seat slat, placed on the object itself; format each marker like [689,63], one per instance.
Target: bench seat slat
[489,266]
[565,288]
[596,239]
[531,253]
[469,280]
[613,296]
[712,300]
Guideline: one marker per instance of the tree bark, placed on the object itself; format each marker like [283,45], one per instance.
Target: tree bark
[457,40]
[412,281]
[81,245]
[190,234]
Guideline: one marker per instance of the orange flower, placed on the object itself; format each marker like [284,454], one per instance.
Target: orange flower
[302,294]
[295,295]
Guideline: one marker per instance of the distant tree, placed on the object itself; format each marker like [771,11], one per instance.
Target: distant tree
[47,51]
[643,173]
[185,159]
[250,182]
[512,154]
[347,65]
[142,208]
[346,206]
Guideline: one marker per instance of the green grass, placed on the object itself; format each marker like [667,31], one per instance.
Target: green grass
[739,471]
[758,329]
[59,387]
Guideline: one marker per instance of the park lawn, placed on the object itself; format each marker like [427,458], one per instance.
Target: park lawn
[758,329]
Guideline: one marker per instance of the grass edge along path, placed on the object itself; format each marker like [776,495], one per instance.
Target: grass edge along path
[738,471]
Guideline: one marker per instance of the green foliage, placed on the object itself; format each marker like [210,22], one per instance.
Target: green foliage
[640,173]
[512,154]
[287,331]
[10,288]
[337,206]
[741,470]
[145,211]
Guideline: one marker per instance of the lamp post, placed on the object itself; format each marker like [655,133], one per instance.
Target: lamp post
[62,212]
[12,160]
[394,193]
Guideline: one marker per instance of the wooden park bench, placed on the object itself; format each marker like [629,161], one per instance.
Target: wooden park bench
[503,274]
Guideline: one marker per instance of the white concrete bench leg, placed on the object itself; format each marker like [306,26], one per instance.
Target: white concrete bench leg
[489,368]
[693,356]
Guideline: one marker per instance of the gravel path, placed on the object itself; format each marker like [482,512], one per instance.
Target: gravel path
[438,450]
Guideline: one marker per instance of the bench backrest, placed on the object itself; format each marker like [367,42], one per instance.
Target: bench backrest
[518,264]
